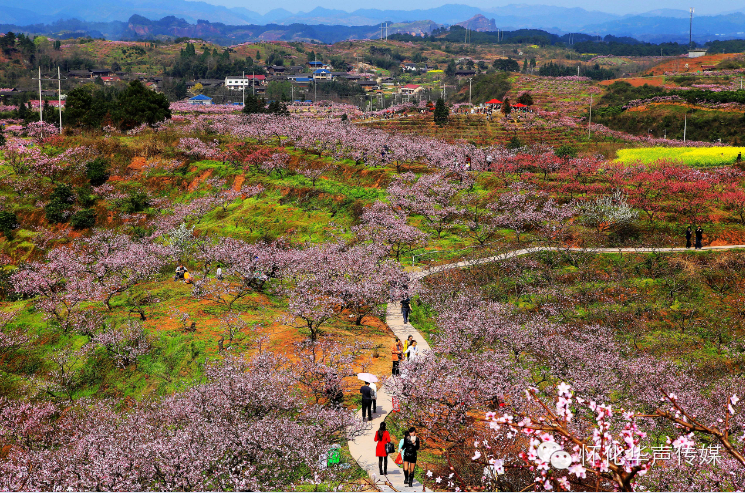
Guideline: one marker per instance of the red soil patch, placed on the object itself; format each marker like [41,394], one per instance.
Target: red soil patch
[637,81]
[137,163]
[238,182]
[199,179]
[694,64]
[725,238]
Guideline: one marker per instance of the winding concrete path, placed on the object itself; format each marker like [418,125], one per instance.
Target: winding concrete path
[525,251]
[362,448]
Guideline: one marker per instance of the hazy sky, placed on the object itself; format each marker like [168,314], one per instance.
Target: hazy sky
[704,7]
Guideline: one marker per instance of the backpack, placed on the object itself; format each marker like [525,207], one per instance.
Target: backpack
[373,393]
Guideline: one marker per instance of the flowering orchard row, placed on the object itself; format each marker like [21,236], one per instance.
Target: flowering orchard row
[534,428]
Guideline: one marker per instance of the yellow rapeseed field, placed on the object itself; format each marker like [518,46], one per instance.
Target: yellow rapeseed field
[693,156]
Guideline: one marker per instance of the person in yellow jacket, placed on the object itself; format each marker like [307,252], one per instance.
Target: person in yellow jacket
[187,277]
[407,343]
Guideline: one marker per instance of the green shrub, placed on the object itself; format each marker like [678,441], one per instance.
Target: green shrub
[135,202]
[566,151]
[514,143]
[62,194]
[83,219]
[8,222]
[97,171]
[86,197]
[57,210]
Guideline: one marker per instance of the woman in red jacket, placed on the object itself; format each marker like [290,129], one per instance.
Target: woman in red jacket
[383,438]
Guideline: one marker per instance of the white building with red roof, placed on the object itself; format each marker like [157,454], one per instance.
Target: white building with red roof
[410,89]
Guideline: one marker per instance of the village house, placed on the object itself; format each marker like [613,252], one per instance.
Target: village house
[275,69]
[410,89]
[239,82]
[322,74]
[368,85]
[100,72]
[319,65]
[110,80]
[465,73]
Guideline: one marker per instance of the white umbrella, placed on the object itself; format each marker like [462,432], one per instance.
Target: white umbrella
[367,377]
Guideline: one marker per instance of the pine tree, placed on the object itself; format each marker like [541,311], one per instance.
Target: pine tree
[506,107]
[441,112]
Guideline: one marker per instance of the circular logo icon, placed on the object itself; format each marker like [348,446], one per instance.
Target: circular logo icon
[561,459]
[546,449]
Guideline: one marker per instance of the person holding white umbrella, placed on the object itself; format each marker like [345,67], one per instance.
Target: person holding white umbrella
[374,388]
[367,394]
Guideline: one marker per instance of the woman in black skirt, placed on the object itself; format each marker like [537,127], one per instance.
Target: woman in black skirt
[411,447]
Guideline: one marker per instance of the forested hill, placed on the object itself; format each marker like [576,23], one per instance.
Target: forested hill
[139,27]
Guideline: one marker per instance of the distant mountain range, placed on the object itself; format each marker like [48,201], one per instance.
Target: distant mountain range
[112,18]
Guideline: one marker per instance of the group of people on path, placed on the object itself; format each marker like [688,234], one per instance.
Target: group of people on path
[699,237]
[183,274]
[401,351]
[408,448]
[409,445]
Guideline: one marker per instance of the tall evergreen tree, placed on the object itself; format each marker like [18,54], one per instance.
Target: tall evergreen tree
[441,112]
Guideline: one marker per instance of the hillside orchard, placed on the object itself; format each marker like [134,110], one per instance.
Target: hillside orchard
[296,230]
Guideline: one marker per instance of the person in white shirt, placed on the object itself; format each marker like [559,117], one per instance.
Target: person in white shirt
[412,351]
[375,395]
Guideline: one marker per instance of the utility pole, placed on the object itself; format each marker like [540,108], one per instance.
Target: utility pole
[589,122]
[685,127]
[41,118]
[244,88]
[59,97]
[469,90]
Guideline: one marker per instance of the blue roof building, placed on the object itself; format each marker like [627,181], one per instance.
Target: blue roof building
[200,99]
[323,74]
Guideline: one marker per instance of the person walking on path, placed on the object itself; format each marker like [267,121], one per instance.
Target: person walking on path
[412,351]
[689,234]
[408,343]
[366,392]
[219,273]
[397,354]
[699,237]
[406,308]
[401,451]
[383,438]
[374,388]
[411,447]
